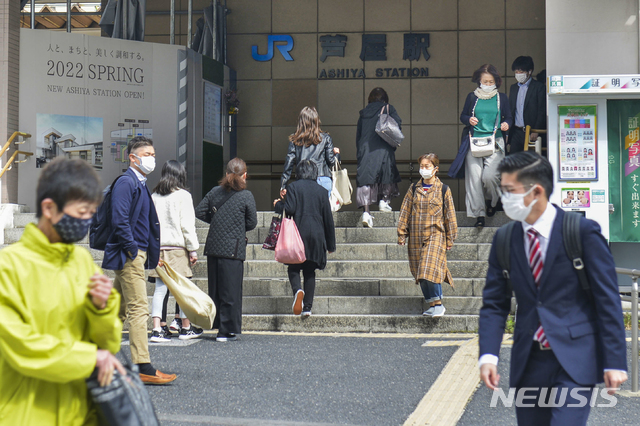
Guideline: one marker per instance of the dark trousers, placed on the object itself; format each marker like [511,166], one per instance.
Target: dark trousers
[308,268]
[225,288]
[544,371]
[516,140]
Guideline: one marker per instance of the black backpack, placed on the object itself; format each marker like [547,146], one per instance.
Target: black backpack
[572,244]
[101,229]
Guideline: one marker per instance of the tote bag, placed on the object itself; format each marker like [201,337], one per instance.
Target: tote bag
[290,248]
[194,303]
[335,199]
[274,230]
[341,183]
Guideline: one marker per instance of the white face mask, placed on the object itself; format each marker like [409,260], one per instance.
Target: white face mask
[147,164]
[488,89]
[427,173]
[522,77]
[514,207]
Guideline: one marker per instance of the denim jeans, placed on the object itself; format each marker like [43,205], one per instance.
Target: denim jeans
[326,183]
[432,291]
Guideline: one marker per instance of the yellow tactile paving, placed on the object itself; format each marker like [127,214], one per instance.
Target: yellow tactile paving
[445,401]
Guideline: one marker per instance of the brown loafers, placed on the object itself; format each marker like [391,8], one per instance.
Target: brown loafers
[159,379]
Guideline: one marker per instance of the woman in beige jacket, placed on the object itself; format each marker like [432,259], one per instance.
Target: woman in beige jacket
[428,219]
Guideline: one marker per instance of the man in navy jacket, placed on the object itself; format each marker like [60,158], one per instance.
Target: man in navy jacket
[134,246]
[564,337]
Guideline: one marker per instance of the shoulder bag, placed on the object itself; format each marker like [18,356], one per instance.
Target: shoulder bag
[224,199]
[125,401]
[388,129]
[484,146]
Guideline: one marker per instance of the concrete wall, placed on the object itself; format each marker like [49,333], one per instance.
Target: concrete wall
[464,34]
[592,37]
[9,81]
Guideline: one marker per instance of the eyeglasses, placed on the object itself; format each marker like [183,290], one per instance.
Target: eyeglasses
[506,192]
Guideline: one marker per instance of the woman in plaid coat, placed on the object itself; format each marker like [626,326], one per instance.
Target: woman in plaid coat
[428,219]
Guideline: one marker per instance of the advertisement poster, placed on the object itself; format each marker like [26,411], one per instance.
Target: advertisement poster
[212,120]
[623,131]
[86,97]
[578,142]
[575,198]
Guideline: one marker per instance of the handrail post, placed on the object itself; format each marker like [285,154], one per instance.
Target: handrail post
[634,334]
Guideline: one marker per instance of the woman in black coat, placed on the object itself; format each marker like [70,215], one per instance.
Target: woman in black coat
[378,176]
[226,245]
[309,205]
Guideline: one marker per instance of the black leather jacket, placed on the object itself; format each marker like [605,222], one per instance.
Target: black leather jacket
[322,155]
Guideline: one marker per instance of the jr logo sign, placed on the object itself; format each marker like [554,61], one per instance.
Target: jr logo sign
[272,39]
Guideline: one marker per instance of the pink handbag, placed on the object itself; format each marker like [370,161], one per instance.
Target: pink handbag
[290,248]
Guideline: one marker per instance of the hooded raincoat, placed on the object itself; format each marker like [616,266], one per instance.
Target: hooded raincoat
[50,332]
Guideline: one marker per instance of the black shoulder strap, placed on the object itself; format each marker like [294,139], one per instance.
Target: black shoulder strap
[413,188]
[224,199]
[503,245]
[573,245]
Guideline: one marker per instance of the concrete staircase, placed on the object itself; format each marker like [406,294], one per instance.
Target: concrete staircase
[366,286]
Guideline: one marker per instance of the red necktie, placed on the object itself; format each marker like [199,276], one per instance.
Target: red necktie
[536,264]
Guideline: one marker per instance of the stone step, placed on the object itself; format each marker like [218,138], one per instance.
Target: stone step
[351,305]
[374,251]
[362,323]
[343,235]
[350,219]
[280,287]
[354,323]
[347,269]
[355,268]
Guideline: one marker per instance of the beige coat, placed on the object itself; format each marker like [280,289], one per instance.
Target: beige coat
[430,230]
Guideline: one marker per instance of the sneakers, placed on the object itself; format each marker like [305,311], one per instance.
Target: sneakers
[367,220]
[297,302]
[167,332]
[159,337]
[438,311]
[306,312]
[226,337]
[192,332]
[383,206]
[176,325]
[429,312]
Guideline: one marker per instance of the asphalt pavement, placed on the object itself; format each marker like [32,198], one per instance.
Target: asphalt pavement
[288,379]
[292,380]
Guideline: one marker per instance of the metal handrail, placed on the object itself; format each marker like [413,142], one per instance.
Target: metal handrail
[9,164]
[13,136]
[634,274]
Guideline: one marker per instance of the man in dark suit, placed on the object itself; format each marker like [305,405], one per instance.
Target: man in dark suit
[134,246]
[564,337]
[528,103]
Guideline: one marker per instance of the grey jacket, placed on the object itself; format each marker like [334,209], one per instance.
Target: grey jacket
[322,155]
[229,225]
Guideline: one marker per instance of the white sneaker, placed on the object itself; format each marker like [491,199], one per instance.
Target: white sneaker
[384,206]
[367,220]
[439,311]
[429,312]
[297,302]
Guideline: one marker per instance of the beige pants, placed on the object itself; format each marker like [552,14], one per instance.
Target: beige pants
[130,282]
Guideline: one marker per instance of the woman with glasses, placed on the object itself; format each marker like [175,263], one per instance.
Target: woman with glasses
[486,113]
[428,220]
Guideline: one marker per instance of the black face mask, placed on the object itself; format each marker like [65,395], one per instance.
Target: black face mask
[71,229]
